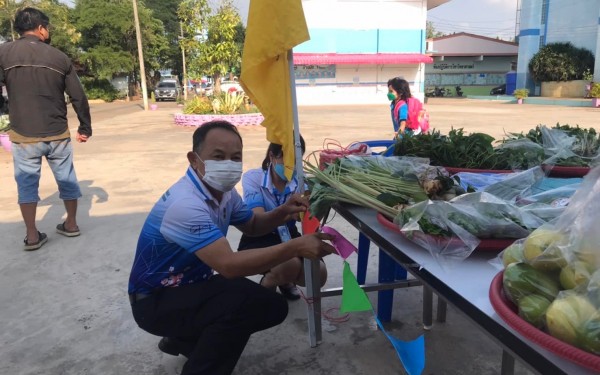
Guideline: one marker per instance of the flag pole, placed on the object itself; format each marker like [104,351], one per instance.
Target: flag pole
[311,267]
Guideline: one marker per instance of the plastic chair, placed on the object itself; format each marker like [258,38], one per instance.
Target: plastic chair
[387,145]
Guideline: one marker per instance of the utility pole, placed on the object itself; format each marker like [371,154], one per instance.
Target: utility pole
[140,54]
[185,80]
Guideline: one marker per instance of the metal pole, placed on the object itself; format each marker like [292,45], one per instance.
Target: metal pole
[311,267]
[140,54]
[185,81]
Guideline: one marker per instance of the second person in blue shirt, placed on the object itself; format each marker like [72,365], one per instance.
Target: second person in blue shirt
[265,189]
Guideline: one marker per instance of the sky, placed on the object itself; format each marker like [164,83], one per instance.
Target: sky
[484,17]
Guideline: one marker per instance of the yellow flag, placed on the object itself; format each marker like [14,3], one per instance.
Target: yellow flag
[274,28]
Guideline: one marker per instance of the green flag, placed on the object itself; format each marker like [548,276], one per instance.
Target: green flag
[353,297]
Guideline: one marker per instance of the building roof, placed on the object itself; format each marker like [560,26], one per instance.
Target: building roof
[466,44]
[360,58]
[435,3]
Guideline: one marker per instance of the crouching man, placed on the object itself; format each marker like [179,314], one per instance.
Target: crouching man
[173,288]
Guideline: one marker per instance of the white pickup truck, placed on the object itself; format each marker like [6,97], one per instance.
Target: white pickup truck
[231,86]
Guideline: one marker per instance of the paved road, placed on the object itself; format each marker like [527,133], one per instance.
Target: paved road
[103,111]
[64,307]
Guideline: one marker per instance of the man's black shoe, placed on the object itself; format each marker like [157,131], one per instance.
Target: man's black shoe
[175,346]
[290,291]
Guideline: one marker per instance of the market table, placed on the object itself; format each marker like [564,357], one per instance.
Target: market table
[465,286]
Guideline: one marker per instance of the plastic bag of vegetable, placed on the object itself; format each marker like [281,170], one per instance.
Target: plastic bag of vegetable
[568,251]
[515,184]
[452,230]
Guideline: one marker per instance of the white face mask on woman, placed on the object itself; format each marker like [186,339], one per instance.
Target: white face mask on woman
[221,175]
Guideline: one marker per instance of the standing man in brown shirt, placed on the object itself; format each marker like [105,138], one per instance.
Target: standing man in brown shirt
[37,76]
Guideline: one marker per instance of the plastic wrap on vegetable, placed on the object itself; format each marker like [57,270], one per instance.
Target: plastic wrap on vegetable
[521,153]
[548,204]
[570,146]
[424,224]
[395,165]
[521,279]
[454,229]
[574,319]
[512,254]
[567,253]
[479,181]
[545,247]
[513,186]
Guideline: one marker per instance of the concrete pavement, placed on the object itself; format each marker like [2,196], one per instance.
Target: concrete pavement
[64,308]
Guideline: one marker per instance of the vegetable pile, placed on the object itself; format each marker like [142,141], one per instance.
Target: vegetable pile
[562,145]
[553,275]
[419,197]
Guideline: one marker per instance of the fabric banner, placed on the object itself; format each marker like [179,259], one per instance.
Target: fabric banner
[274,28]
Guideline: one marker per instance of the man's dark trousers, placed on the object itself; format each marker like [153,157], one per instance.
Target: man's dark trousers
[219,315]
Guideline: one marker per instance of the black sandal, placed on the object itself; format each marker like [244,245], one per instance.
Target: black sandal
[42,239]
[290,292]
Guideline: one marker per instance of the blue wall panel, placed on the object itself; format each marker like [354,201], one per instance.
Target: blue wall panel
[401,41]
[363,41]
[356,41]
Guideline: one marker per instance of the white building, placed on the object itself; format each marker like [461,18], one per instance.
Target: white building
[551,21]
[357,45]
[469,60]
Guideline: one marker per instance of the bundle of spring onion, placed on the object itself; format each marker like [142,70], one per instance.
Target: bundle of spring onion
[365,183]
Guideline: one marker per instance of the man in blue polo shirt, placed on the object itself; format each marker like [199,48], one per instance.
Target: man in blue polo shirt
[173,289]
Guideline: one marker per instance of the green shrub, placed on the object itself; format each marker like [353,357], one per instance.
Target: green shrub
[199,105]
[4,123]
[595,91]
[521,93]
[228,103]
[560,62]
[100,89]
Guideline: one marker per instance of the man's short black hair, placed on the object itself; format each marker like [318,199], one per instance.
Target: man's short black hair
[202,131]
[28,19]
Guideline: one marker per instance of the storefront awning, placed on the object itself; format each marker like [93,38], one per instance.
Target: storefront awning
[360,58]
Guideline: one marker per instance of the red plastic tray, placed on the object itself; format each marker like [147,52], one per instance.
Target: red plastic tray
[486,244]
[508,312]
[558,171]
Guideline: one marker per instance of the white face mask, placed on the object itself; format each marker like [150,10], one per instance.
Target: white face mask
[221,175]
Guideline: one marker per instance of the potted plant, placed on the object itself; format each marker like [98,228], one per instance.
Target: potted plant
[520,94]
[4,128]
[595,94]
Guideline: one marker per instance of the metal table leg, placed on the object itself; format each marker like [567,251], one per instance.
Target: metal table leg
[313,293]
[427,308]
[508,364]
[441,310]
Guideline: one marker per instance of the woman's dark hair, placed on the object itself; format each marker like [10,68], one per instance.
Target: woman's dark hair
[401,86]
[28,19]
[202,131]
[277,150]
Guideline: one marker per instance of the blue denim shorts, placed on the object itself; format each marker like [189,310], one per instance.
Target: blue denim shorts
[27,158]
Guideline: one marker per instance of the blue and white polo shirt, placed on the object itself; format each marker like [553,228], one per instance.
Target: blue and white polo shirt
[184,220]
[259,191]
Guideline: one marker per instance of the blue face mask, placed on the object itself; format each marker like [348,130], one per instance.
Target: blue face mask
[280,170]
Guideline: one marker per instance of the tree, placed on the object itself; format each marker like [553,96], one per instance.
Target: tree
[64,34]
[7,13]
[560,62]
[192,16]
[166,12]
[431,32]
[216,48]
[108,38]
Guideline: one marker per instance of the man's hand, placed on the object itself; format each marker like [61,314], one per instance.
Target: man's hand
[311,246]
[296,204]
[81,138]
